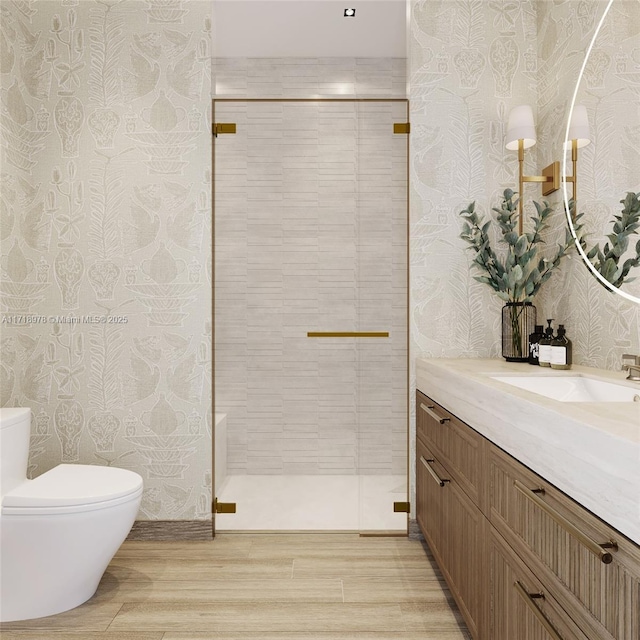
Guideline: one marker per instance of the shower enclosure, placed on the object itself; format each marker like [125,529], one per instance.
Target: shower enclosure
[310,314]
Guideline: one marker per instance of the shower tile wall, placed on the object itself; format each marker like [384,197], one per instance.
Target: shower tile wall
[311,236]
[310,77]
[105,212]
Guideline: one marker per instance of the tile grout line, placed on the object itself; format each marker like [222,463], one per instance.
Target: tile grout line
[293,562]
[342,588]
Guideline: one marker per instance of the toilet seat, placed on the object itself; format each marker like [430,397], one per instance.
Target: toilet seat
[73,488]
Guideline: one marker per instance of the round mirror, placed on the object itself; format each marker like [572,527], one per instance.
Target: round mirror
[602,150]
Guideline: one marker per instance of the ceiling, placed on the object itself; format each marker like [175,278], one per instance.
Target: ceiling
[309,28]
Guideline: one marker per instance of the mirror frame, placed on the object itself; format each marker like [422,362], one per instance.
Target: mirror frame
[565,190]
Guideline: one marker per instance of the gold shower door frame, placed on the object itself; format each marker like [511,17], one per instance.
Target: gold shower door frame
[213,280]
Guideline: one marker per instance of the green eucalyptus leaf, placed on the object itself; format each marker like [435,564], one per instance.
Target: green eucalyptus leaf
[517,273]
[521,245]
[511,237]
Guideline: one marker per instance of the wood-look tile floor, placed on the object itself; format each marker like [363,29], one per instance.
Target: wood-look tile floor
[262,587]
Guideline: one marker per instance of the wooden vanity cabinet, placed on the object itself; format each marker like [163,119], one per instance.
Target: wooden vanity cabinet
[523,560]
[595,571]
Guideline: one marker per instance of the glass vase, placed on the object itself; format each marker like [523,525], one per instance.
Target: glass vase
[518,322]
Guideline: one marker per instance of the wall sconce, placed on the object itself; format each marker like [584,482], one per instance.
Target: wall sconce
[521,135]
[578,136]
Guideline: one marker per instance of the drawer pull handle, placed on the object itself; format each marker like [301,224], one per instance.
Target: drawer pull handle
[433,414]
[434,475]
[529,599]
[596,548]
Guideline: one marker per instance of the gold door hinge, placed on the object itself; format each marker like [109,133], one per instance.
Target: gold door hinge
[224,507]
[401,507]
[401,127]
[223,127]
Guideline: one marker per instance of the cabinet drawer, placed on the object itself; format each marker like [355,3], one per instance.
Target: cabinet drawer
[453,527]
[459,447]
[429,496]
[521,608]
[567,547]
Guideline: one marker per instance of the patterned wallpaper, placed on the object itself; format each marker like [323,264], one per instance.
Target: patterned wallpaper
[602,325]
[470,62]
[106,239]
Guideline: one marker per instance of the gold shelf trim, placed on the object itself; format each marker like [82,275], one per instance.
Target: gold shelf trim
[347,334]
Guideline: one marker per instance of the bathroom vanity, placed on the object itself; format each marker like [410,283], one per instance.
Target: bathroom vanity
[530,504]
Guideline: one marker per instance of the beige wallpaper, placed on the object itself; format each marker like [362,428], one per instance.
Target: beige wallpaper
[106,239]
[602,325]
[470,62]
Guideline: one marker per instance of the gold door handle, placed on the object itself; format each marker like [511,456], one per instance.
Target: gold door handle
[347,334]
[596,548]
[429,411]
[434,475]
[529,599]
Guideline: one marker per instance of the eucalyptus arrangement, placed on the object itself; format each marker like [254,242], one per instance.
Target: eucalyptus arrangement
[519,274]
[607,260]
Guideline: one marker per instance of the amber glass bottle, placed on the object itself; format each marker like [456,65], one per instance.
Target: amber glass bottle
[561,350]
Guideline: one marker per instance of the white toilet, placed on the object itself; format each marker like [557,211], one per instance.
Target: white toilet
[58,532]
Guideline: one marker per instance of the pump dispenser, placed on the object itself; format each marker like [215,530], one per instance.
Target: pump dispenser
[561,350]
[544,352]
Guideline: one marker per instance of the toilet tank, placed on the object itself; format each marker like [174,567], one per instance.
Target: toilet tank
[15,432]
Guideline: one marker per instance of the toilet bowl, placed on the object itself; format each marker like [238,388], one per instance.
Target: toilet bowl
[59,531]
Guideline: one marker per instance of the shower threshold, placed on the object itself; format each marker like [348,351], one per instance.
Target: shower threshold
[313,503]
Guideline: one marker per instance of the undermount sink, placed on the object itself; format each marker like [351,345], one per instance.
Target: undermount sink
[573,388]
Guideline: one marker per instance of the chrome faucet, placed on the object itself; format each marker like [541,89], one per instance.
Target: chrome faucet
[633,369]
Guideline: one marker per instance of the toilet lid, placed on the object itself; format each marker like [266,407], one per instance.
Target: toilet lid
[69,486]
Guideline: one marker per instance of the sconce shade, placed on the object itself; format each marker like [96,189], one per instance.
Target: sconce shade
[520,127]
[579,127]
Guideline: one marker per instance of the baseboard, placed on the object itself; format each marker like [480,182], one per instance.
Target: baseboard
[171,530]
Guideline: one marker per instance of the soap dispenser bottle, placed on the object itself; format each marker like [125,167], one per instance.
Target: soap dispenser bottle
[534,344]
[544,350]
[561,350]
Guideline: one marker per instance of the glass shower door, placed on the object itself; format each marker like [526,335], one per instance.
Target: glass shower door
[310,244]
[382,301]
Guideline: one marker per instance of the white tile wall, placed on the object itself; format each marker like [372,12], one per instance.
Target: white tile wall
[311,236]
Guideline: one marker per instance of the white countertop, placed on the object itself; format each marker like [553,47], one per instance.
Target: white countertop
[589,450]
